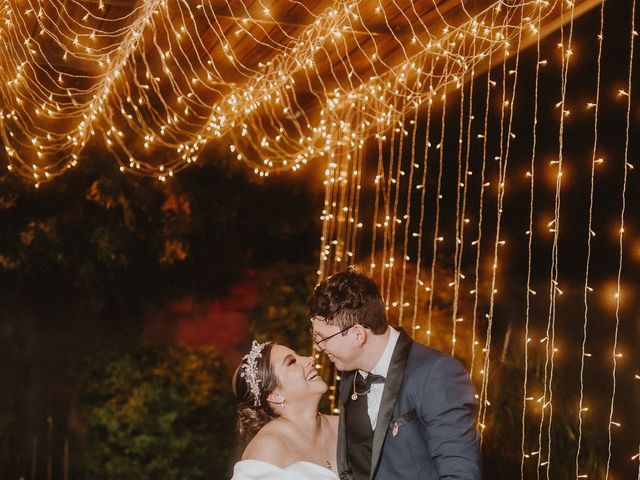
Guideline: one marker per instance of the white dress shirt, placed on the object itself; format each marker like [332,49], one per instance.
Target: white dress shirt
[374,397]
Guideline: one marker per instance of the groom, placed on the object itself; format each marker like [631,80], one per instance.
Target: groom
[408,411]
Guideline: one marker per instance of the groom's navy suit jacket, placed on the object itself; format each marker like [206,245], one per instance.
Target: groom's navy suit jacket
[426,422]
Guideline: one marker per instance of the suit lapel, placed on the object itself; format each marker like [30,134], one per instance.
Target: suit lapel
[392,386]
[343,461]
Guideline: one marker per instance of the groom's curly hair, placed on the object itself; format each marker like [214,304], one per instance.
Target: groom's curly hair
[348,298]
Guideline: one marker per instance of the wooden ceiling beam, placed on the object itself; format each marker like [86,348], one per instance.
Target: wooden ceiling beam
[223,12]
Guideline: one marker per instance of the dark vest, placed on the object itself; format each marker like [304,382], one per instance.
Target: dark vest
[359,438]
[359,431]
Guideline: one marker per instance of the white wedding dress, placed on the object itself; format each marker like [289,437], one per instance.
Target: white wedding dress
[259,470]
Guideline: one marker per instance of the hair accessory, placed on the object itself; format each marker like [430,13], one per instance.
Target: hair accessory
[250,370]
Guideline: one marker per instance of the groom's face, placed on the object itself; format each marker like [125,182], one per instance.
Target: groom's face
[339,347]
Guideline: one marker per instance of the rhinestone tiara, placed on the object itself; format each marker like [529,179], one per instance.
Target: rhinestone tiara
[250,370]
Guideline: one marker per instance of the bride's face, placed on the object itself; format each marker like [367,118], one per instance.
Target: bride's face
[296,374]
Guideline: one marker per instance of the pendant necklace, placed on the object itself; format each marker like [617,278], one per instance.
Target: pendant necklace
[355,394]
[324,454]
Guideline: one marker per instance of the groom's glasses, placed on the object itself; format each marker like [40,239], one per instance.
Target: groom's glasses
[319,340]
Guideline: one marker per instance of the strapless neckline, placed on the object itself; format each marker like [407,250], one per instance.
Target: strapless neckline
[260,470]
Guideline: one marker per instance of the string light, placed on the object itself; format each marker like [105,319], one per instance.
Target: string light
[587,289]
[150,70]
[461,204]
[436,221]
[419,283]
[405,257]
[615,354]
[529,291]
[483,185]
[505,138]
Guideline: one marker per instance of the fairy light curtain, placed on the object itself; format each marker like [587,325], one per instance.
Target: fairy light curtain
[416,110]
[480,173]
[156,81]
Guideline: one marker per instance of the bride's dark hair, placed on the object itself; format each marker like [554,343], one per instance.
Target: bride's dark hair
[252,418]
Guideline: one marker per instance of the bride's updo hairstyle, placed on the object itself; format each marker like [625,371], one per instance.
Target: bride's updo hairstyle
[253,381]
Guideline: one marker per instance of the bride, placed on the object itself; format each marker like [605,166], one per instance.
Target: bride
[285,436]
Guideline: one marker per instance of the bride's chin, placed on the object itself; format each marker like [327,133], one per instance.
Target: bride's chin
[320,386]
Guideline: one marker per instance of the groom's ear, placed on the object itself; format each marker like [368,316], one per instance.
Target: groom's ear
[361,334]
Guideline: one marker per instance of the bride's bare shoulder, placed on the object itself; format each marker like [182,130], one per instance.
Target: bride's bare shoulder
[269,445]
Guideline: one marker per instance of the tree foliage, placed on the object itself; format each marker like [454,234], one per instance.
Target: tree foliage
[281,314]
[158,413]
[103,237]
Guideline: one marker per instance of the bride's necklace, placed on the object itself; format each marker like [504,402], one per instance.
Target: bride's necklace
[324,445]
[323,449]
